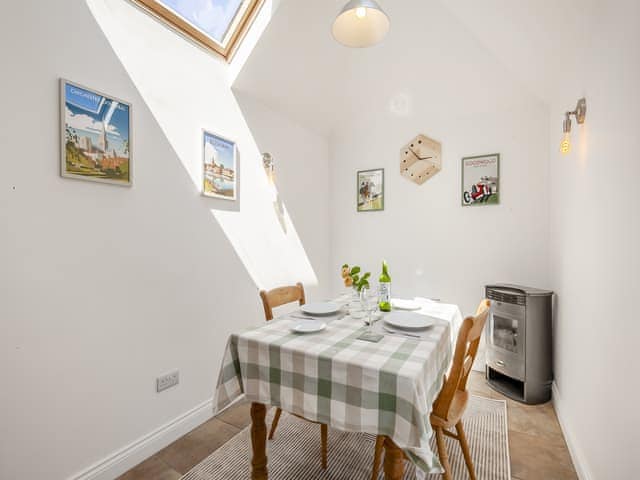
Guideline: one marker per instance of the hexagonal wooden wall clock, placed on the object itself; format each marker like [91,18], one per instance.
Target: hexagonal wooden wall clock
[421,159]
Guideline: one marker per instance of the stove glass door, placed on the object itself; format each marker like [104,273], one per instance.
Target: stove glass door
[505,332]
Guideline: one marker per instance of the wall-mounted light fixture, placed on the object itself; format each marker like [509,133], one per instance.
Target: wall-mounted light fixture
[361,23]
[278,206]
[269,167]
[580,113]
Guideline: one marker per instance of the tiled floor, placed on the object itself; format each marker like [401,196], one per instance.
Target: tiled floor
[538,450]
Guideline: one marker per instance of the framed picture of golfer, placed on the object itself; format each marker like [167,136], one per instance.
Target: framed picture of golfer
[370,190]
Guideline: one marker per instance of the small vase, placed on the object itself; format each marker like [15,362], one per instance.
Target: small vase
[355,298]
[350,296]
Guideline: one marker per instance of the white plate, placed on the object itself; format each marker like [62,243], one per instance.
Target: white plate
[320,308]
[401,304]
[409,320]
[309,326]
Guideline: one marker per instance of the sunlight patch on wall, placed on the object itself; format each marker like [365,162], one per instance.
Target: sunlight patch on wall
[277,241]
[187,90]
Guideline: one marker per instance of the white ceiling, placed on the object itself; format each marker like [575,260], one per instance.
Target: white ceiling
[536,40]
[299,69]
[296,65]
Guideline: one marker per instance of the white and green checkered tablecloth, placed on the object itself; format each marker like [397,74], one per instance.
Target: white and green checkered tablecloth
[384,388]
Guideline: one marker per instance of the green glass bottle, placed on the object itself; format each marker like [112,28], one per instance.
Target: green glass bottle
[385,289]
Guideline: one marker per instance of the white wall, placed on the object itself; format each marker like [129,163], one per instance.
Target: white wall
[302,176]
[104,288]
[595,232]
[461,96]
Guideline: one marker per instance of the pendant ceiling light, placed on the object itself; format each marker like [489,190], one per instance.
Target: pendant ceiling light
[361,23]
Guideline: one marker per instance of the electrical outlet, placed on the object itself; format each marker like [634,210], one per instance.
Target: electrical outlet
[167,381]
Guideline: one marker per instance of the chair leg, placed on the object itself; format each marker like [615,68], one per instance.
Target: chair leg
[323,441]
[442,453]
[377,456]
[465,450]
[274,423]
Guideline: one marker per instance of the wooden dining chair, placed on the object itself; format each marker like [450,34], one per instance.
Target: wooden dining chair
[451,402]
[276,298]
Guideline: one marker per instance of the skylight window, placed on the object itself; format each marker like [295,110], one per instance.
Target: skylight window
[216,24]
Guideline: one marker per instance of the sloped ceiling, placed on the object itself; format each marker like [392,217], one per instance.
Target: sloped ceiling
[299,69]
[296,65]
[536,40]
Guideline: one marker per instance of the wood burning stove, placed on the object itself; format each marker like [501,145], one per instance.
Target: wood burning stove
[518,335]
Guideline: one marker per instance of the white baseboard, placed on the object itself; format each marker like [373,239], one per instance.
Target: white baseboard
[129,456]
[578,459]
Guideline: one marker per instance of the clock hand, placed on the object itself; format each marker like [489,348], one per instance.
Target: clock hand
[420,158]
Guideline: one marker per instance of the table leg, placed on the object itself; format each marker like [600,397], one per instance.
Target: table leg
[393,460]
[258,442]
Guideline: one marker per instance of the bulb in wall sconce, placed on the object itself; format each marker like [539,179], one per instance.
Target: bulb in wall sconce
[579,113]
[565,144]
[269,167]
[361,12]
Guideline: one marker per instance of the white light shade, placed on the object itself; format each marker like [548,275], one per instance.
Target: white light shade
[353,29]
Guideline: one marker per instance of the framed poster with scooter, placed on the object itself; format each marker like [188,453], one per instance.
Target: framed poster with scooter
[481,180]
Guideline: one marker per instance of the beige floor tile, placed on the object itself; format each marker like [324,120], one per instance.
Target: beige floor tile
[534,457]
[188,451]
[239,415]
[538,420]
[214,433]
[152,468]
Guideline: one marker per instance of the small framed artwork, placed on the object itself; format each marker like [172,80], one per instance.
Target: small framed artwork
[95,135]
[370,190]
[219,167]
[481,180]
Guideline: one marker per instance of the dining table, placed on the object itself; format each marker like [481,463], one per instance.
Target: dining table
[332,377]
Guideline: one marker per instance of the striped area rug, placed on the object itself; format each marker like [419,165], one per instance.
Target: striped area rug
[294,453]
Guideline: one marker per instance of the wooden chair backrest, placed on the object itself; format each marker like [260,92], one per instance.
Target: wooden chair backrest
[464,355]
[281,296]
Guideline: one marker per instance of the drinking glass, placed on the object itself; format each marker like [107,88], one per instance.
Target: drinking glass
[369,303]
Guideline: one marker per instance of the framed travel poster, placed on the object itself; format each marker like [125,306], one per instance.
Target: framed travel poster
[219,167]
[370,189]
[481,180]
[95,135]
